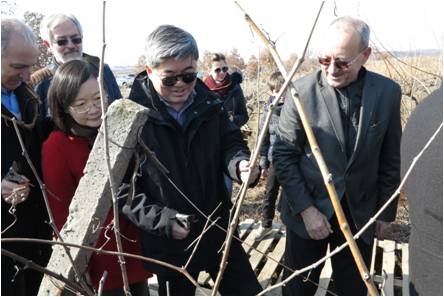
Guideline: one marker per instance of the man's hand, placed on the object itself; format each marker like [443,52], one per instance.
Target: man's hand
[178,231]
[15,193]
[244,167]
[316,223]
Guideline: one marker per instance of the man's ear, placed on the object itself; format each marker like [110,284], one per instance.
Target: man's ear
[148,69]
[367,53]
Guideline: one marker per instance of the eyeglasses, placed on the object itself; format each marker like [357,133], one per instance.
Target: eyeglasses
[342,65]
[223,69]
[86,106]
[187,78]
[64,42]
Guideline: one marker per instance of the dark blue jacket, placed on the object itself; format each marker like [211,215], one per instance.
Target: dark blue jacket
[41,86]
[270,136]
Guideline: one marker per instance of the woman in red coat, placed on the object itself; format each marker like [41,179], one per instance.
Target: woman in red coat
[74,101]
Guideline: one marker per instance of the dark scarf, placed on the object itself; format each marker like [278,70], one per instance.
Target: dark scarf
[220,89]
[81,130]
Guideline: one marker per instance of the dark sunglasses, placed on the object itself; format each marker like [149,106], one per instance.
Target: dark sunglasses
[187,78]
[342,65]
[74,40]
[223,69]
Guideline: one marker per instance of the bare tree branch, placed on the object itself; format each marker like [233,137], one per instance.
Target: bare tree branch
[108,163]
[48,208]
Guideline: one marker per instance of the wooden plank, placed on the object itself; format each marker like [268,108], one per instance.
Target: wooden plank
[257,254]
[372,263]
[324,278]
[271,266]
[277,291]
[388,266]
[405,270]
[249,241]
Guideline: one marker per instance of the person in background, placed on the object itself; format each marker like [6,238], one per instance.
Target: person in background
[355,117]
[423,190]
[229,90]
[74,99]
[63,36]
[23,209]
[191,135]
[275,83]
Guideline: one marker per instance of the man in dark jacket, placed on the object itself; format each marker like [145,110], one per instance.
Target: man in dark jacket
[63,36]
[192,136]
[23,209]
[355,117]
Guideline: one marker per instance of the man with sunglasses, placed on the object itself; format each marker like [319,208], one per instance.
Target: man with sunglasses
[23,209]
[190,133]
[63,36]
[355,116]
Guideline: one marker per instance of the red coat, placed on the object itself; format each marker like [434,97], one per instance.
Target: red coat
[63,160]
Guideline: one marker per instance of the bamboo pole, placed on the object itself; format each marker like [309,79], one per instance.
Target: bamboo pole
[253,160]
[328,179]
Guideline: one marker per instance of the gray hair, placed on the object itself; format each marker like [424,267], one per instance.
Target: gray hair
[168,41]
[12,26]
[350,24]
[53,20]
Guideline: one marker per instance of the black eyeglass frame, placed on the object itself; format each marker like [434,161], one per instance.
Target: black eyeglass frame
[64,41]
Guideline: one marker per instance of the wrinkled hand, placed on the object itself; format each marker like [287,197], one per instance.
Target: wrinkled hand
[382,229]
[244,167]
[179,232]
[264,173]
[316,223]
[15,193]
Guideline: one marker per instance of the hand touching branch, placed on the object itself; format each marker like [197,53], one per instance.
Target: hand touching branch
[244,168]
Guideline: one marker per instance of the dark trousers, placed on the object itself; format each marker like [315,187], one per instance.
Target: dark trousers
[238,278]
[300,253]
[271,194]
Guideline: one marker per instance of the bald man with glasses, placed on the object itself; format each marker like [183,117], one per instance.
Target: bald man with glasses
[355,116]
[63,36]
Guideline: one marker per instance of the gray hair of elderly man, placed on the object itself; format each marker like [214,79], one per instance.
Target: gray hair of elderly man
[349,24]
[53,20]
[168,41]
[12,26]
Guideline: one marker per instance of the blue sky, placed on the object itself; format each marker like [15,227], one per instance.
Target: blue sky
[219,25]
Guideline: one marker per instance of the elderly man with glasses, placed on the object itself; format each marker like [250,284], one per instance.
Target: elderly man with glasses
[63,36]
[355,116]
[191,134]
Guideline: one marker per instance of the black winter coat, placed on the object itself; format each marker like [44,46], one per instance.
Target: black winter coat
[31,213]
[234,104]
[196,156]
[270,136]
